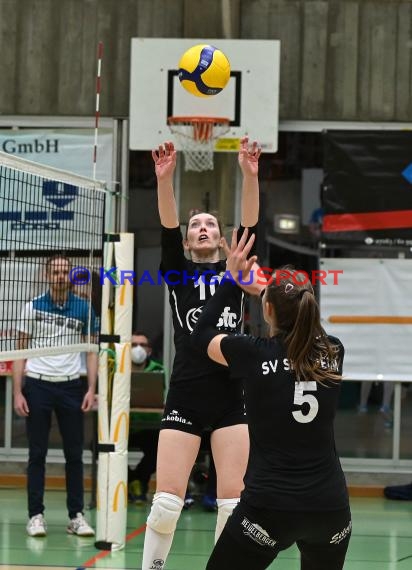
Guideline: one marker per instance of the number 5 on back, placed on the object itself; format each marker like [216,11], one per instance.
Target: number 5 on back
[300,399]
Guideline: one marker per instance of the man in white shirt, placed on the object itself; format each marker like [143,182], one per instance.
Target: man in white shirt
[45,384]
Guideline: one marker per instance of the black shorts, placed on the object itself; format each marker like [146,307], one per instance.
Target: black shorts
[252,538]
[204,405]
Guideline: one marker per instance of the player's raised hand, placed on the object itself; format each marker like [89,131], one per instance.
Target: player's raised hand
[237,261]
[165,160]
[249,157]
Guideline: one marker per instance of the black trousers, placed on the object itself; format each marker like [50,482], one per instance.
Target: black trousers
[252,538]
[65,399]
[146,440]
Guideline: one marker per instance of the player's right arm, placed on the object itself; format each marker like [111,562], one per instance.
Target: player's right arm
[165,163]
[20,404]
[173,258]
[249,165]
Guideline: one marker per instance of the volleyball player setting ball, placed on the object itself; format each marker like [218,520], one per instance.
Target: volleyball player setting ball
[201,394]
[295,489]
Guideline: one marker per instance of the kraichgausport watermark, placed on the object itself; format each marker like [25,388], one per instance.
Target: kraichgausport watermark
[262,276]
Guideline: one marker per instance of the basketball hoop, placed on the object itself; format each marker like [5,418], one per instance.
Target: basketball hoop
[196,136]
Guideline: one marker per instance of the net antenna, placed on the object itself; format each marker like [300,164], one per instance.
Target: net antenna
[97,110]
[196,137]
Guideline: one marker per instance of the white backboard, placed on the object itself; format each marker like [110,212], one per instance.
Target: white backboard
[250,100]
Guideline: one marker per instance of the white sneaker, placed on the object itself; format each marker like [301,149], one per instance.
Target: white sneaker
[36,526]
[79,526]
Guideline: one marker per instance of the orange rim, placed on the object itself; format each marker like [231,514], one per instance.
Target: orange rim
[196,120]
[202,126]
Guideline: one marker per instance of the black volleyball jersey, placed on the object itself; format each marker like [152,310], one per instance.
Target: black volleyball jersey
[190,285]
[293,463]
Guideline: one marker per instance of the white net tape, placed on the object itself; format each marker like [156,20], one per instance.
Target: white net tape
[196,137]
[48,218]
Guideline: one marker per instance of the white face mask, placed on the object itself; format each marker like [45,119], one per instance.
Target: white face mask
[139,355]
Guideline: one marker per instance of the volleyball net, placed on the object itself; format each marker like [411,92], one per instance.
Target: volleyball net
[51,247]
[54,300]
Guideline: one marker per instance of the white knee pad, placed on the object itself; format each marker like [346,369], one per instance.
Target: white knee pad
[165,512]
[225,506]
[224,510]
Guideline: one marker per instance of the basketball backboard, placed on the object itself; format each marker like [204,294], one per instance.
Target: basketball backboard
[250,100]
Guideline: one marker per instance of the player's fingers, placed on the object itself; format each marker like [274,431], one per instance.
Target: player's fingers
[248,245]
[249,263]
[233,244]
[155,156]
[242,240]
[256,149]
[226,247]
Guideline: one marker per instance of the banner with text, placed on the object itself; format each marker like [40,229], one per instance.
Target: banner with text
[67,149]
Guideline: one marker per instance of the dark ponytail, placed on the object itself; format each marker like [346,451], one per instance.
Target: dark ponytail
[298,322]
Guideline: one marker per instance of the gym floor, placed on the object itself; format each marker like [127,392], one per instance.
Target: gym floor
[381,539]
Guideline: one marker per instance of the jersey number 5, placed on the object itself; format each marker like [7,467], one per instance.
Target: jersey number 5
[300,399]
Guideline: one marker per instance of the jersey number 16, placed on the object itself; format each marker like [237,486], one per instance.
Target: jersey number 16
[200,282]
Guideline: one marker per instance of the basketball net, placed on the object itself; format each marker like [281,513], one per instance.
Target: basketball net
[196,137]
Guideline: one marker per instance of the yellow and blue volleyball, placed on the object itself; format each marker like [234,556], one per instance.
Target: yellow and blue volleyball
[204,70]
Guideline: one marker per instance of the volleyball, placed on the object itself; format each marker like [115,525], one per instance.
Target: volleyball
[204,70]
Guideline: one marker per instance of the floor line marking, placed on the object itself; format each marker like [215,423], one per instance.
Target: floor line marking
[105,553]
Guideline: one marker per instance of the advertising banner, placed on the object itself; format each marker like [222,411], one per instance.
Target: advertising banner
[367,190]
[66,149]
[370,310]
[46,201]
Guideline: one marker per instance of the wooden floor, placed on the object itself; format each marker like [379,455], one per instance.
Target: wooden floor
[381,540]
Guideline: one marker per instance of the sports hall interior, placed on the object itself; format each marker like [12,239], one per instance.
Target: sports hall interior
[345,68]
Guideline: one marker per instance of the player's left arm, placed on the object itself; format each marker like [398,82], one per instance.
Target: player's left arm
[249,164]
[207,334]
[212,326]
[206,337]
